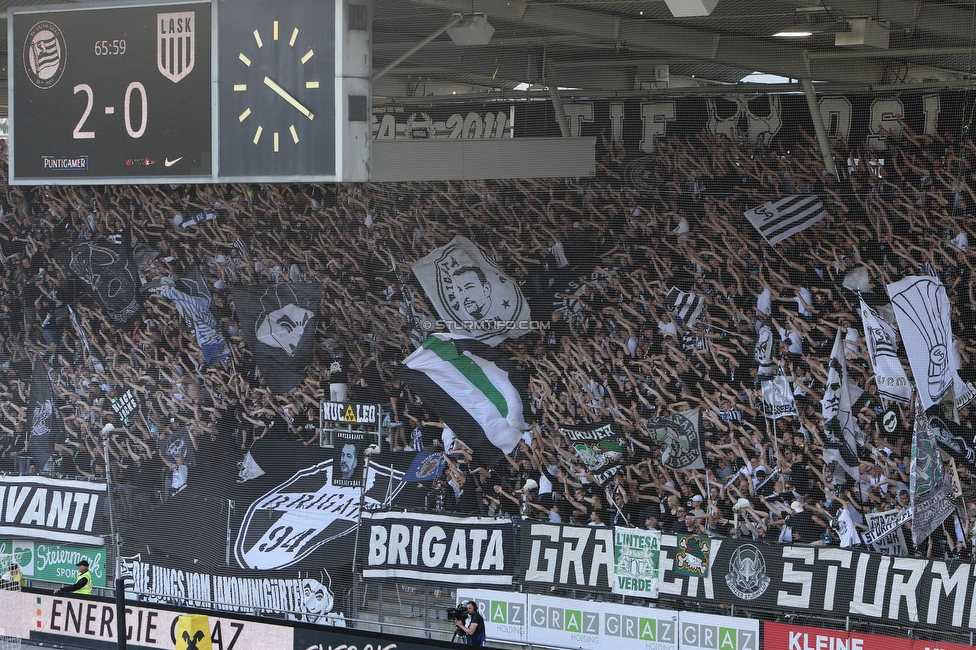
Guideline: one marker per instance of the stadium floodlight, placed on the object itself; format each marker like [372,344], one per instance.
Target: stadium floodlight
[690,8]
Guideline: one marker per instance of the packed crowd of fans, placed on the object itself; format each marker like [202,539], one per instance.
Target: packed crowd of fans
[613,349]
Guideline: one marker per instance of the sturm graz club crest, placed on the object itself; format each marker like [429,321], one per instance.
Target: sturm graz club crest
[175,44]
[307,512]
[44,54]
[678,436]
[747,573]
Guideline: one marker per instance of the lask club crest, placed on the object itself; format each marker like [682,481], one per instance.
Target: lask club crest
[175,44]
[305,513]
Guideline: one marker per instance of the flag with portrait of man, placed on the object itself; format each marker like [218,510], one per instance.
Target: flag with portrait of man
[471,294]
[278,322]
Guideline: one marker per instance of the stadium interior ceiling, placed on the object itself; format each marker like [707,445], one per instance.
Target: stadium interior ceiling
[620,48]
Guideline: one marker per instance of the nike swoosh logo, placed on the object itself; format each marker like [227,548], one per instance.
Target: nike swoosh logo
[170,163]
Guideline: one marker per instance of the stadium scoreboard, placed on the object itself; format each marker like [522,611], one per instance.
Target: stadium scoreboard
[220,90]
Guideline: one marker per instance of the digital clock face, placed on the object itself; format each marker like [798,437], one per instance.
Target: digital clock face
[110,92]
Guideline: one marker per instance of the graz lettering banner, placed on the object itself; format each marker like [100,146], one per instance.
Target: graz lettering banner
[808,579]
[441,548]
[52,509]
[562,622]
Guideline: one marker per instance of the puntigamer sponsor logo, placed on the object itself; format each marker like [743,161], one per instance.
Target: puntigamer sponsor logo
[717,637]
[64,163]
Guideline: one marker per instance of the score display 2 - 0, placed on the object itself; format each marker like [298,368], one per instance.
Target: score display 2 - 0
[112,92]
[190,91]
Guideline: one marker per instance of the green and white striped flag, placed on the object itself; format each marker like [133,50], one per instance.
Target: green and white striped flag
[473,388]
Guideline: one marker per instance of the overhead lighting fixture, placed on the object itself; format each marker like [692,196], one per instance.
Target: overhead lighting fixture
[691,8]
[473,29]
[808,23]
[865,31]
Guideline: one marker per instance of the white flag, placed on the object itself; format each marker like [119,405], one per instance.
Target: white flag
[841,431]
[889,374]
[777,220]
[686,306]
[922,310]
[764,350]
[472,295]
[777,394]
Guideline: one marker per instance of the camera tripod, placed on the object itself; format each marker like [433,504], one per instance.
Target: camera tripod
[459,636]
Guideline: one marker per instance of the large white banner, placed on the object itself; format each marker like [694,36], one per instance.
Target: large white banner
[710,632]
[566,623]
[889,374]
[471,294]
[922,310]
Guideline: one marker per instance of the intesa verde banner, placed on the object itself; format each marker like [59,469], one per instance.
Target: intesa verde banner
[53,562]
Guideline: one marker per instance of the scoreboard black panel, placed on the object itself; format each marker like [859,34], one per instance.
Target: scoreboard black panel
[111,92]
[144,91]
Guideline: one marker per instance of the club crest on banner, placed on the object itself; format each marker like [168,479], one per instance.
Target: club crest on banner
[175,44]
[303,514]
[747,573]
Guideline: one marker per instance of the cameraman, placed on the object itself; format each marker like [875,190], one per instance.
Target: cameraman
[475,629]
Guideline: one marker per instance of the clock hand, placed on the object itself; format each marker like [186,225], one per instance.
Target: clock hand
[288,98]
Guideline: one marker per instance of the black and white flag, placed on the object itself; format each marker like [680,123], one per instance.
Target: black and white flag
[922,310]
[777,396]
[599,446]
[476,390]
[278,322]
[764,350]
[841,431]
[679,436]
[179,445]
[84,341]
[687,307]
[930,483]
[192,299]
[471,294]
[889,374]
[884,533]
[955,439]
[46,428]
[110,273]
[777,220]
[198,218]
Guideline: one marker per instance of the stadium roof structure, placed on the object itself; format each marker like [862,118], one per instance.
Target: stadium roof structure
[620,48]
[638,47]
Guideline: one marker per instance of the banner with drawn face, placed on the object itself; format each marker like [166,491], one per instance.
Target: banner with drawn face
[278,322]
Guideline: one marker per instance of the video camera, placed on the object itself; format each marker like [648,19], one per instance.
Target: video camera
[459,612]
